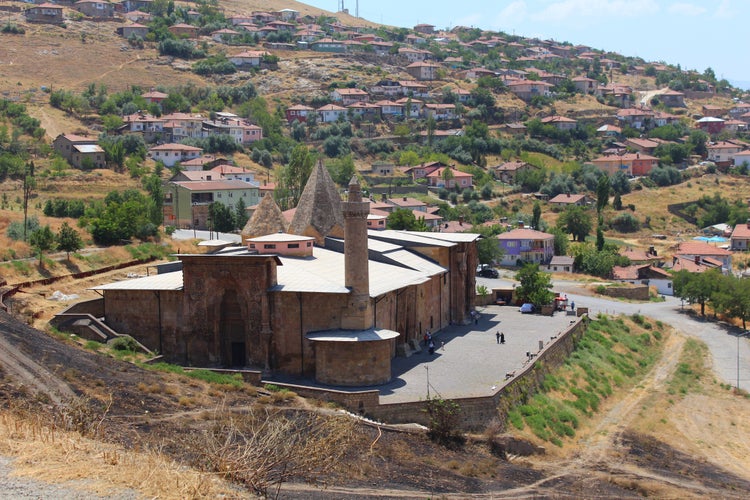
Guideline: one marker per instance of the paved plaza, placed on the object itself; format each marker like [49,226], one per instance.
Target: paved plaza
[468,361]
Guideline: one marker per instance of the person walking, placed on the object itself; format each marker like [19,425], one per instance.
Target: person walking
[432,347]
[497,337]
[502,338]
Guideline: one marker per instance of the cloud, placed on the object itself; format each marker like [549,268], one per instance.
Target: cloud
[582,11]
[686,9]
[513,14]
[726,10]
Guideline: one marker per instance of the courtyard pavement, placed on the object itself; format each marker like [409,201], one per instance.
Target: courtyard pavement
[468,361]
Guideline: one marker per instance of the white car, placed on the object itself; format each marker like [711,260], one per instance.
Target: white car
[526,308]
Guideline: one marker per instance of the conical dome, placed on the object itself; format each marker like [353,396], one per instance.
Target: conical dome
[318,213]
[267,219]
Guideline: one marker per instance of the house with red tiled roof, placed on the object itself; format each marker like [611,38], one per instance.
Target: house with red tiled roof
[239,129]
[80,151]
[508,171]
[422,70]
[47,13]
[641,145]
[672,98]
[631,163]
[741,158]
[414,55]
[440,111]
[527,89]
[95,8]
[740,239]
[330,113]
[423,169]
[635,117]
[407,203]
[560,122]
[249,58]
[703,251]
[565,199]
[456,180]
[170,154]
[586,85]
[412,107]
[693,265]
[526,245]
[184,30]
[411,88]
[722,152]
[645,275]
[348,96]
[298,112]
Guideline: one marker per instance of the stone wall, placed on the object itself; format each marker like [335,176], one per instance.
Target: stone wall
[353,363]
[632,292]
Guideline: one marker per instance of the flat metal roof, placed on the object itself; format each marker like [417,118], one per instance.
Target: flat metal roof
[370,335]
[165,281]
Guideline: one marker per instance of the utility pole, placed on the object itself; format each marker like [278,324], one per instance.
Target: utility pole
[28,188]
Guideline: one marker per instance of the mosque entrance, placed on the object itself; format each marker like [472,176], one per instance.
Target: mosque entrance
[234,351]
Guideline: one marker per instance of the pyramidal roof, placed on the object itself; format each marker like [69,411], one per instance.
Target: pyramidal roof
[267,219]
[319,212]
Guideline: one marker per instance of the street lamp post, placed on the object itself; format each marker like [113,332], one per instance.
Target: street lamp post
[428,381]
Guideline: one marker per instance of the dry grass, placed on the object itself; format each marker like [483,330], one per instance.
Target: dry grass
[59,457]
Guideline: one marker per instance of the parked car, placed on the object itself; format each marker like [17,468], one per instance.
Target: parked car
[526,308]
[488,272]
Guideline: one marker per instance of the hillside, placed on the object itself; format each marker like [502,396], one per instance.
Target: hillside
[102,419]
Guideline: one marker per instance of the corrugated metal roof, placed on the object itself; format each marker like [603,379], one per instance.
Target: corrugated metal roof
[166,281]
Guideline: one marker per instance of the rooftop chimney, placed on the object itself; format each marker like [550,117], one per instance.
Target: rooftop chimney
[697,260]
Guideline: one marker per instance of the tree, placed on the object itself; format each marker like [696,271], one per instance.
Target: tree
[602,193]
[240,214]
[294,175]
[620,183]
[561,241]
[68,240]
[536,215]
[617,202]
[488,248]
[697,287]
[576,221]
[152,183]
[599,238]
[732,297]
[403,219]
[42,240]
[221,217]
[535,285]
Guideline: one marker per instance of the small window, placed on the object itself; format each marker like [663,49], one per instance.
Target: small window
[293,245]
[309,244]
[252,245]
[269,246]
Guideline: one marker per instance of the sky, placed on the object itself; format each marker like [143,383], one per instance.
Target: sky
[696,34]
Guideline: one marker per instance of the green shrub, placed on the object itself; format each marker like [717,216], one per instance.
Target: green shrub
[124,343]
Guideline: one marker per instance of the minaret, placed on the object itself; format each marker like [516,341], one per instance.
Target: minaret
[358,315]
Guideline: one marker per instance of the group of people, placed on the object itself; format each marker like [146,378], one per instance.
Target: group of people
[500,337]
[428,342]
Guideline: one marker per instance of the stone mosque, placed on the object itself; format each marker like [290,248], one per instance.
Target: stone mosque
[321,297]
